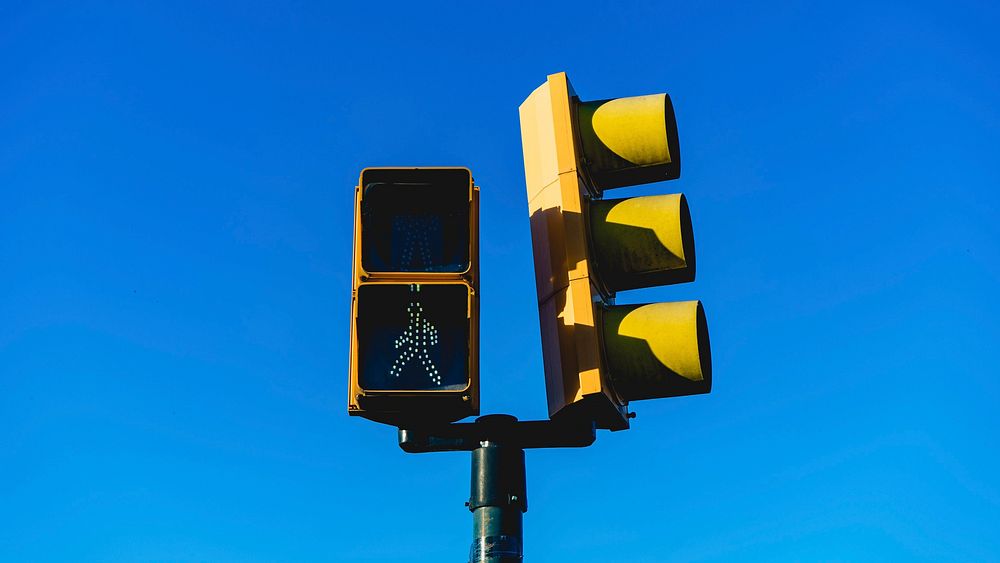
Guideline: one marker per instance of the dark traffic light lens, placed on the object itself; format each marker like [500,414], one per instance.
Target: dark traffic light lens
[413,337]
[417,222]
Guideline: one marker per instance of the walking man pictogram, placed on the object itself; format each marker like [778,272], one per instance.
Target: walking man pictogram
[418,336]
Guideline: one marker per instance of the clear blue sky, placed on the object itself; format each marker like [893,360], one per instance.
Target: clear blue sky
[175,246]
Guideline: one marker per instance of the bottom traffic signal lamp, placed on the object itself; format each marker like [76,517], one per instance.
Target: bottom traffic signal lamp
[657,350]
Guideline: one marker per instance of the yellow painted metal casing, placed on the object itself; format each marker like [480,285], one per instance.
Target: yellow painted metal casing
[570,339]
[586,249]
[402,406]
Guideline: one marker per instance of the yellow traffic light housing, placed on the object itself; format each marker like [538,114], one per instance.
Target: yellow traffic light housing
[599,356]
[415,296]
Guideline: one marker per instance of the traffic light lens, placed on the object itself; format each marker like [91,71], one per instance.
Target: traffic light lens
[415,226]
[413,337]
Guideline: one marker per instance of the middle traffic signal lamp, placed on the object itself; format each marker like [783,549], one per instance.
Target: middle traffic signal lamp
[598,356]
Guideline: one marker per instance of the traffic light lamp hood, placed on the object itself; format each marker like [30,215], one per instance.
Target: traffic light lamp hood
[657,350]
[642,241]
[628,141]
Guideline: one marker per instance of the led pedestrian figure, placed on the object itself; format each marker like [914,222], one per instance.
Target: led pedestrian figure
[413,241]
[414,341]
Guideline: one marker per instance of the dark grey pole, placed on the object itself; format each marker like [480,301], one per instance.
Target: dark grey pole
[499,489]
[498,500]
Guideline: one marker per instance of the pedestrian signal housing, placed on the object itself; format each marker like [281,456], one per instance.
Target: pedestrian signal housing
[415,296]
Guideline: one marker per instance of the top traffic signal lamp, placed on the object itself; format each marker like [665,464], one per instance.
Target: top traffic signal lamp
[599,356]
[415,298]
[628,141]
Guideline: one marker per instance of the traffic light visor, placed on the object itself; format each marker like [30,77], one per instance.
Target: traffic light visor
[415,221]
[413,337]
[642,241]
[628,141]
[657,350]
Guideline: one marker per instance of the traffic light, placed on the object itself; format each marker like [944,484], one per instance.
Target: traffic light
[598,356]
[415,297]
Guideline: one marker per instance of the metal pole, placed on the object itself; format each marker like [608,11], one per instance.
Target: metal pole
[497,502]
[499,489]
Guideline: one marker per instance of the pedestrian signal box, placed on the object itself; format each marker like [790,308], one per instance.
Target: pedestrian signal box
[415,296]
